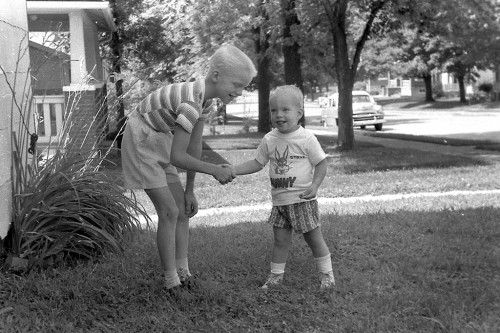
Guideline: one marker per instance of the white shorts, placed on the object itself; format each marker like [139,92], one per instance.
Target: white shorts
[146,156]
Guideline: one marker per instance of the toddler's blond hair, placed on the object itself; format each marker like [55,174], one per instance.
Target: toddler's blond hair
[291,91]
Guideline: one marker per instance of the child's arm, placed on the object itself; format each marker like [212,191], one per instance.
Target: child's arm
[194,149]
[179,156]
[319,175]
[247,167]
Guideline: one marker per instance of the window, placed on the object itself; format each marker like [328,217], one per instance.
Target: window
[360,99]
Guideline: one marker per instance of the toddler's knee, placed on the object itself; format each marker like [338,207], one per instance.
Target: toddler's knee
[281,242]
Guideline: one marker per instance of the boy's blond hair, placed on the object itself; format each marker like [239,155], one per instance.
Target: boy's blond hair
[230,60]
[291,91]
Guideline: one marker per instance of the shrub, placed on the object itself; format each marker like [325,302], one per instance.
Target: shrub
[68,211]
[485,87]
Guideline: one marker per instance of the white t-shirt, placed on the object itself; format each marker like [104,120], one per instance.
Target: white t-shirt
[293,157]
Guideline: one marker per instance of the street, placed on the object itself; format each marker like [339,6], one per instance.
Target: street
[463,124]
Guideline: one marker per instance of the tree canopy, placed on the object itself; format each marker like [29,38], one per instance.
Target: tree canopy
[312,42]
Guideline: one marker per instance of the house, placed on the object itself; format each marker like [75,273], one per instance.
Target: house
[387,86]
[447,83]
[72,82]
[443,83]
[50,72]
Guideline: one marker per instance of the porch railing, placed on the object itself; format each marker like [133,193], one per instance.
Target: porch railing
[49,117]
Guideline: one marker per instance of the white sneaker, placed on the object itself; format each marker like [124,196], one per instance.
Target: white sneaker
[273,280]
[327,280]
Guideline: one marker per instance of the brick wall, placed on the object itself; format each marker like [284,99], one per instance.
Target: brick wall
[86,113]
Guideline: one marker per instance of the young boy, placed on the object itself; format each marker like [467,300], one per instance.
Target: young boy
[298,166]
[151,151]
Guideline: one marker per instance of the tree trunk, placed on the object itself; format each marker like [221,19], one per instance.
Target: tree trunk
[291,49]
[428,87]
[261,38]
[263,84]
[345,80]
[461,88]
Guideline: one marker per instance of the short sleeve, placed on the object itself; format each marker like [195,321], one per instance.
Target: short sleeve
[262,152]
[188,114]
[314,150]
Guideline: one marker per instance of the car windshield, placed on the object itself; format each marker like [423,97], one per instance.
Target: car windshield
[360,99]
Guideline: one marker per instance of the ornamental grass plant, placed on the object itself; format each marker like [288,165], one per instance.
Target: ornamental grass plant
[65,208]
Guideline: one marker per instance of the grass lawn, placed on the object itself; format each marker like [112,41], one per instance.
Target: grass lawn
[408,265]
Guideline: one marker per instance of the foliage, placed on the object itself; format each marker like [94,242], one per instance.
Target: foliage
[403,37]
[439,36]
[69,210]
[485,87]
[148,39]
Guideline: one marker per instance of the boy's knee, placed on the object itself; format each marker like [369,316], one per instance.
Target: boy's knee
[169,214]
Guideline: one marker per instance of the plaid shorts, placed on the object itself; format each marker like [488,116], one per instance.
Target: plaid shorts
[302,217]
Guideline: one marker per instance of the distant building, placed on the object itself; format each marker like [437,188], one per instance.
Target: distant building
[396,86]
[443,84]
[447,83]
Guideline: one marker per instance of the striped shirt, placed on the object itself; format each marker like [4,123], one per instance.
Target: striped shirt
[178,104]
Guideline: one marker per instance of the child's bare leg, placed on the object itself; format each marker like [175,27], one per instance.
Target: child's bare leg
[166,208]
[321,253]
[282,240]
[314,239]
[181,232]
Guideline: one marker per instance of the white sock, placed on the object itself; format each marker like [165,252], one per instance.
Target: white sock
[324,264]
[171,278]
[278,268]
[183,263]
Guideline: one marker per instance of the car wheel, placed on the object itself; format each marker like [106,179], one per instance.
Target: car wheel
[362,126]
[378,127]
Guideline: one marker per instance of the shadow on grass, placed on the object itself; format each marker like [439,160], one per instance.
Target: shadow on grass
[364,158]
[442,140]
[399,271]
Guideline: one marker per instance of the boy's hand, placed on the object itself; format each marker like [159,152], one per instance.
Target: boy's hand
[310,193]
[191,204]
[223,174]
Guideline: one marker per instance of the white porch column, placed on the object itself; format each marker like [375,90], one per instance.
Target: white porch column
[84,49]
[14,74]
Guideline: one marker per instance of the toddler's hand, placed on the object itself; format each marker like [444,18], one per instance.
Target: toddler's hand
[232,167]
[310,193]
[223,174]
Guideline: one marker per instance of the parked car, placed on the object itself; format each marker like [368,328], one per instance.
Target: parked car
[365,111]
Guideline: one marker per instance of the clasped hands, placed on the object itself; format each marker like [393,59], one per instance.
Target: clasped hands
[225,173]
